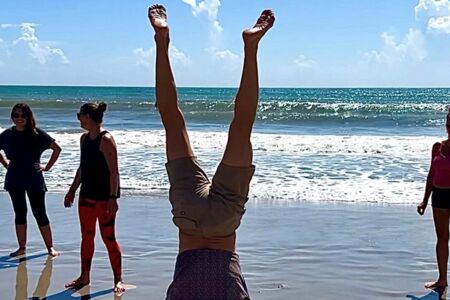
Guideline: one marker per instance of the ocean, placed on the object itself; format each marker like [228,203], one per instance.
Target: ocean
[317,145]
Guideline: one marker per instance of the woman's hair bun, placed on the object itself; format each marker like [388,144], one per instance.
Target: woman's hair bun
[102,106]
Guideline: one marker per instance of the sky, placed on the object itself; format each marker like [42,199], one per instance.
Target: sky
[314,43]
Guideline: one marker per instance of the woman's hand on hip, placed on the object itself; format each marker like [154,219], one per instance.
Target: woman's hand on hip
[40,168]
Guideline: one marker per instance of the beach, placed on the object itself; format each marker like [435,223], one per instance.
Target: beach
[331,211]
[300,250]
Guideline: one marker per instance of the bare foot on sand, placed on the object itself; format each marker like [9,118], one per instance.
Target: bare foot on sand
[19,252]
[78,283]
[253,35]
[119,288]
[52,252]
[435,284]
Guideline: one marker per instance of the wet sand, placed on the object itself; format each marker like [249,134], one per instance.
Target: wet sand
[301,250]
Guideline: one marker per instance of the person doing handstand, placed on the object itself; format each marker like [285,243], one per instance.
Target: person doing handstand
[208,214]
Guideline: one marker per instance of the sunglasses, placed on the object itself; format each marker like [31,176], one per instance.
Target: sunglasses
[16,116]
[79,115]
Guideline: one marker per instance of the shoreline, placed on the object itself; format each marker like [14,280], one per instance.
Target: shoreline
[317,250]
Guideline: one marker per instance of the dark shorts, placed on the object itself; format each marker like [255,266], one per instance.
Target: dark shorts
[207,209]
[440,198]
[207,274]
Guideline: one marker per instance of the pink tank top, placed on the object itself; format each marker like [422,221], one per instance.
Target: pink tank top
[441,167]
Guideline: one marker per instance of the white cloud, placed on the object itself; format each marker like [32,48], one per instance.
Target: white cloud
[441,24]
[144,57]
[178,57]
[304,63]
[436,13]
[210,7]
[225,55]
[432,8]
[412,47]
[5,26]
[38,50]
[225,62]
[147,57]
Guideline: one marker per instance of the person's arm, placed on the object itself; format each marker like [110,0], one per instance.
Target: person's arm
[70,196]
[54,157]
[4,162]
[109,149]
[429,185]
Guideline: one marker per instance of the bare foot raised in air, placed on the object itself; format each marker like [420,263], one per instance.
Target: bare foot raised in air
[78,283]
[253,35]
[119,288]
[158,19]
[435,284]
[19,252]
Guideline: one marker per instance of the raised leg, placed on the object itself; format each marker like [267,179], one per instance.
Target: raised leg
[441,222]
[238,152]
[177,139]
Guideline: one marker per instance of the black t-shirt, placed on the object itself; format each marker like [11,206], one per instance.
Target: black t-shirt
[24,150]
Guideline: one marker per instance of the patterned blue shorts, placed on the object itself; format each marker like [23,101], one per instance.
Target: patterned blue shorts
[207,274]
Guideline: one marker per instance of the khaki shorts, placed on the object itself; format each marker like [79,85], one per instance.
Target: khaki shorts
[203,209]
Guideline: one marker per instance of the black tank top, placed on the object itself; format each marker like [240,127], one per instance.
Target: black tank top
[94,170]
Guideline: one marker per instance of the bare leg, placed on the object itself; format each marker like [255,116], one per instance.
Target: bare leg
[88,221]
[21,233]
[441,222]
[108,233]
[177,139]
[46,233]
[238,151]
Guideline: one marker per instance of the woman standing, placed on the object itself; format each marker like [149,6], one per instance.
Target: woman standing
[99,178]
[23,145]
[438,184]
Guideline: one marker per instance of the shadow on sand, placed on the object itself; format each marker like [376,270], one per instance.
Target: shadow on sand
[13,262]
[43,284]
[435,294]
[84,294]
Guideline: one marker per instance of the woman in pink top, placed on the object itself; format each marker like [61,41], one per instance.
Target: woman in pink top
[438,184]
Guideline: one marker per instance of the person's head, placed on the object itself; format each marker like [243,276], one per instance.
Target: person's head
[23,117]
[91,114]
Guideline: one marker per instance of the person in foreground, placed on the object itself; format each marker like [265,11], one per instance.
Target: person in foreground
[98,175]
[23,145]
[438,185]
[208,214]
